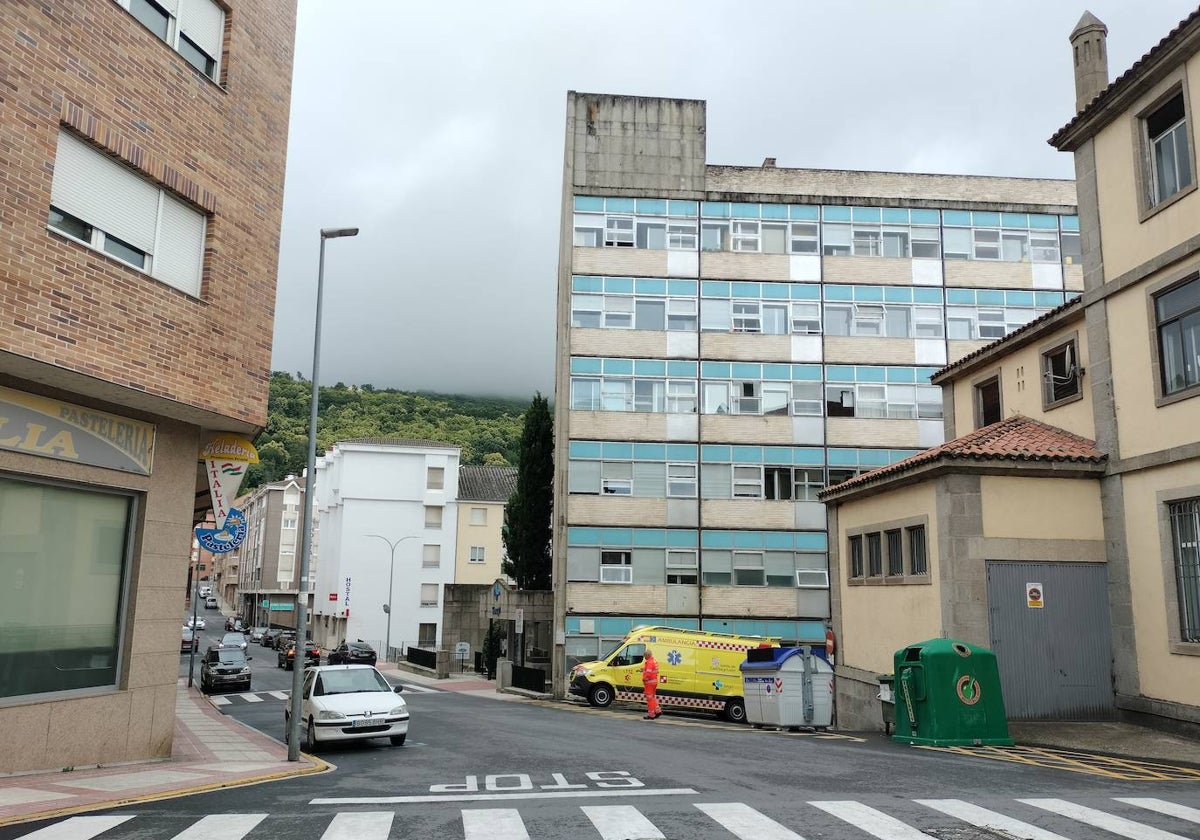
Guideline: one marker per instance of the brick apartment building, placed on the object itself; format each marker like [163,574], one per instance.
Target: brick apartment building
[141,184]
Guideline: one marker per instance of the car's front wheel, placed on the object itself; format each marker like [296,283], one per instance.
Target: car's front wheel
[398,740]
[310,737]
[601,695]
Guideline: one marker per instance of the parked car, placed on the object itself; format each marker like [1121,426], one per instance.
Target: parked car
[196,623]
[348,702]
[224,667]
[287,655]
[257,633]
[205,590]
[234,639]
[235,623]
[210,603]
[190,640]
[353,653]
[285,638]
[270,636]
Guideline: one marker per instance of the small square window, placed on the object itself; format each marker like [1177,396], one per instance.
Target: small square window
[72,226]
[478,516]
[917,562]
[895,553]
[435,478]
[433,516]
[431,556]
[478,554]
[616,567]
[875,555]
[429,594]
[1061,375]
[856,556]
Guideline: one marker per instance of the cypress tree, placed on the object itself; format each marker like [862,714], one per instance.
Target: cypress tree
[528,516]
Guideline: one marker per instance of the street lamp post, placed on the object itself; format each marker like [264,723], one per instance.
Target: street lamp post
[306,534]
[387,608]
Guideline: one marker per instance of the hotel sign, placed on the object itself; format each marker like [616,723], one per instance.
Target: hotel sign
[43,426]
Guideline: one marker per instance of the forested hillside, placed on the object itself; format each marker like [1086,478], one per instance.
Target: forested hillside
[487,428]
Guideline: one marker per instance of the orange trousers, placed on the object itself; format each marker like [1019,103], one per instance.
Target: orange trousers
[652,707]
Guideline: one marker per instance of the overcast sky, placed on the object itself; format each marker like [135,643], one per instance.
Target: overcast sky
[438,128]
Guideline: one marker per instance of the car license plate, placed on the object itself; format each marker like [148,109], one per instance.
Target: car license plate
[364,722]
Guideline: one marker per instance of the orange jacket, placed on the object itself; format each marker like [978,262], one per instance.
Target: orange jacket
[650,671]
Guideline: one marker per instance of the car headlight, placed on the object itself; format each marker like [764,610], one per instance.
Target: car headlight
[245,670]
[399,710]
[581,672]
[326,714]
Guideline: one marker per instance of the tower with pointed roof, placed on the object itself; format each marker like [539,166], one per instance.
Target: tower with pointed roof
[1088,46]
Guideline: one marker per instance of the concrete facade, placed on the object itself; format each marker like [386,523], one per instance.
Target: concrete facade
[269,559]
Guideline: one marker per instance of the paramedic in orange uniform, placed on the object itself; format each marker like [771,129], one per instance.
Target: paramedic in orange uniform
[650,683]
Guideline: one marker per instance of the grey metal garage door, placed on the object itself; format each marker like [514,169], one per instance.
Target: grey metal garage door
[1055,659]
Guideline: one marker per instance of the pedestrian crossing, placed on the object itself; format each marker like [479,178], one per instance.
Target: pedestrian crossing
[1136,818]
[246,697]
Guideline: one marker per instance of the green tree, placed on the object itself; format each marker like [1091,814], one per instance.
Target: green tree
[528,516]
[495,459]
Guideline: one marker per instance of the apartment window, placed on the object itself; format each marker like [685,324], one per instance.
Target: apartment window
[1185,545]
[289,523]
[616,478]
[435,478]
[895,553]
[1177,313]
[748,569]
[856,556]
[433,516]
[429,594]
[874,554]
[681,481]
[917,562]
[987,402]
[478,516]
[194,28]
[105,205]
[747,482]
[616,567]
[1061,375]
[1170,157]
[431,556]
[681,568]
[478,554]
[426,635]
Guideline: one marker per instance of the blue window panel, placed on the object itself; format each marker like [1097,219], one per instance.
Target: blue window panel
[617,451]
[922,294]
[898,374]
[585,365]
[1069,222]
[839,293]
[871,373]
[744,211]
[960,297]
[746,290]
[1073,295]
[715,209]
[956,218]
[901,454]
[649,537]
[714,288]
[1048,299]
[747,454]
[868,293]
[1014,220]
[777,455]
[839,373]
[716,539]
[715,454]
[783,629]
[650,286]
[618,285]
[681,452]
[587,284]
[811,631]
[777,373]
[807,456]
[682,539]
[805,291]
[774,211]
[746,370]
[618,367]
[584,449]
[925,374]
[648,367]
[683,288]
[681,369]
[618,205]
[806,373]
[714,370]
[985,218]
[615,626]
[650,452]
[681,208]
[747,539]
[989,297]
[1042,221]
[775,291]
[572,625]
[777,539]
[895,216]
[842,457]
[1018,298]
[616,536]
[583,536]
[589,204]
[865,214]
[804,212]
[835,214]
[898,294]
[812,541]
[874,457]
[924,217]
[652,206]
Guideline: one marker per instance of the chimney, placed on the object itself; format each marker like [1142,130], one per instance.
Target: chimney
[1091,59]
[768,163]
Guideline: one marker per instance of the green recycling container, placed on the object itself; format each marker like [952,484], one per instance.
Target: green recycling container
[948,694]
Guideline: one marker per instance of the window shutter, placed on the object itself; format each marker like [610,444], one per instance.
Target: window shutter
[650,479]
[91,185]
[204,24]
[180,253]
[716,481]
[583,477]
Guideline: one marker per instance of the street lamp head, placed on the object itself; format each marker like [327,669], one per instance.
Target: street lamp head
[334,233]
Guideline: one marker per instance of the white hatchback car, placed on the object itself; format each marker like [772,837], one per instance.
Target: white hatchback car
[348,703]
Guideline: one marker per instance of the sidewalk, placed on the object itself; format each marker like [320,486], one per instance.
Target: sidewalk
[467,682]
[210,751]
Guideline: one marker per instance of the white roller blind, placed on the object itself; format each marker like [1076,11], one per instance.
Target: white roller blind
[105,194]
[204,24]
[650,479]
[583,477]
[180,253]
[716,481]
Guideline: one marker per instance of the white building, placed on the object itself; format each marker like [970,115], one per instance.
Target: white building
[388,518]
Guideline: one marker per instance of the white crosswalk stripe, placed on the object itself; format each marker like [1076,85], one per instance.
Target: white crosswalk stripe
[77,828]
[983,818]
[1163,807]
[279,695]
[620,822]
[251,698]
[876,823]
[364,825]
[493,824]
[1102,819]
[745,823]
[420,689]
[221,827]
[219,701]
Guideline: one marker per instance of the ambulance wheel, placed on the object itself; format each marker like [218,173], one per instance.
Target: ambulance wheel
[735,710]
[601,695]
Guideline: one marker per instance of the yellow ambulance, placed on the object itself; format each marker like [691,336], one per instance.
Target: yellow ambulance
[697,670]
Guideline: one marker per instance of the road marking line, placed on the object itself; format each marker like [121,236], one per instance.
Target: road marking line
[497,797]
[219,701]
[251,698]
[493,824]
[983,818]
[419,688]
[221,827]
[876,823]
[746,823]
[1163,807]
[77,828]
[279,695]
[620,822]
[1102,819]
[368,825]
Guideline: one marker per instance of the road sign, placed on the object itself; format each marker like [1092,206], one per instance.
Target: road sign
[462,650]
[266,604]
[520,621]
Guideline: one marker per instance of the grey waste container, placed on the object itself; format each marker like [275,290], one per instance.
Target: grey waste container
[787,687]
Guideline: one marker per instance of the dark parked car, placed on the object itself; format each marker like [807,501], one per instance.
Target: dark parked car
[353,653]
[233,624]
[225,667]
[271,636]
[287,655]
[284,639]
[190,640]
